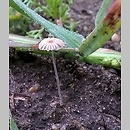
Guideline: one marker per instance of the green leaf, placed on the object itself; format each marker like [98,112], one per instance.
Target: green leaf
[103,32]
[16,7]
[103,11]
[71,39]
[22,41]
[12,123]
[47,11]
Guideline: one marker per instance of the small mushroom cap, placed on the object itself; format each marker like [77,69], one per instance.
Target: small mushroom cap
[50,44]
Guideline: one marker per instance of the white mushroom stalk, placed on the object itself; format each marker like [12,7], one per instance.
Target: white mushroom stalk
[51,44]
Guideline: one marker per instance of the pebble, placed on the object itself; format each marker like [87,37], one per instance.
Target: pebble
[115,38]
[34,88]
[56,126]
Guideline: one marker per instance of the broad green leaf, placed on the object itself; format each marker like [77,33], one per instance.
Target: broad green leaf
[71,39]
[16,7]
[103,11]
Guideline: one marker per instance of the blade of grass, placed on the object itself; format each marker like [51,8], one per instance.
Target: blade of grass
[22,41]
[72,39]
[16,7]
[103,11]
[102,33]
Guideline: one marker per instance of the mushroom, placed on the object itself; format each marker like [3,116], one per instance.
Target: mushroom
[51,44]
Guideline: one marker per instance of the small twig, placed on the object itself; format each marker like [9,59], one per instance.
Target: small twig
[17,96]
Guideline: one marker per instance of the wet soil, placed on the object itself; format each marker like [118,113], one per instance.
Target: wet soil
[91,93]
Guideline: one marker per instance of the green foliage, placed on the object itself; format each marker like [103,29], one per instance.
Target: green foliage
[12,123]
[108,21]
[18,24]
[53,10]
[16,7]
[57,9]
[106,25]
[103,11]
[70,38]
[36,33]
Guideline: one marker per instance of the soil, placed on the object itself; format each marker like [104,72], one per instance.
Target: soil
[91,93]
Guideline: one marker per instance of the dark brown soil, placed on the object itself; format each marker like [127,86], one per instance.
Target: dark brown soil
[91,93]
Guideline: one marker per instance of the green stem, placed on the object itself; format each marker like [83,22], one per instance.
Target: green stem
[102,56]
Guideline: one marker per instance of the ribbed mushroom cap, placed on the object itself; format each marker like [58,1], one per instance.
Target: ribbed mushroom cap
[50,44]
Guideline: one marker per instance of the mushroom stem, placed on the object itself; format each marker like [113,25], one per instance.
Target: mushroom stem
[57,78]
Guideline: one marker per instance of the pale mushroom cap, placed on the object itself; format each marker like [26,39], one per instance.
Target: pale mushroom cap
[50,44]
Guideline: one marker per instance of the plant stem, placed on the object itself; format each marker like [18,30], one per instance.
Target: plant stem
[102,56]
[57,78]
